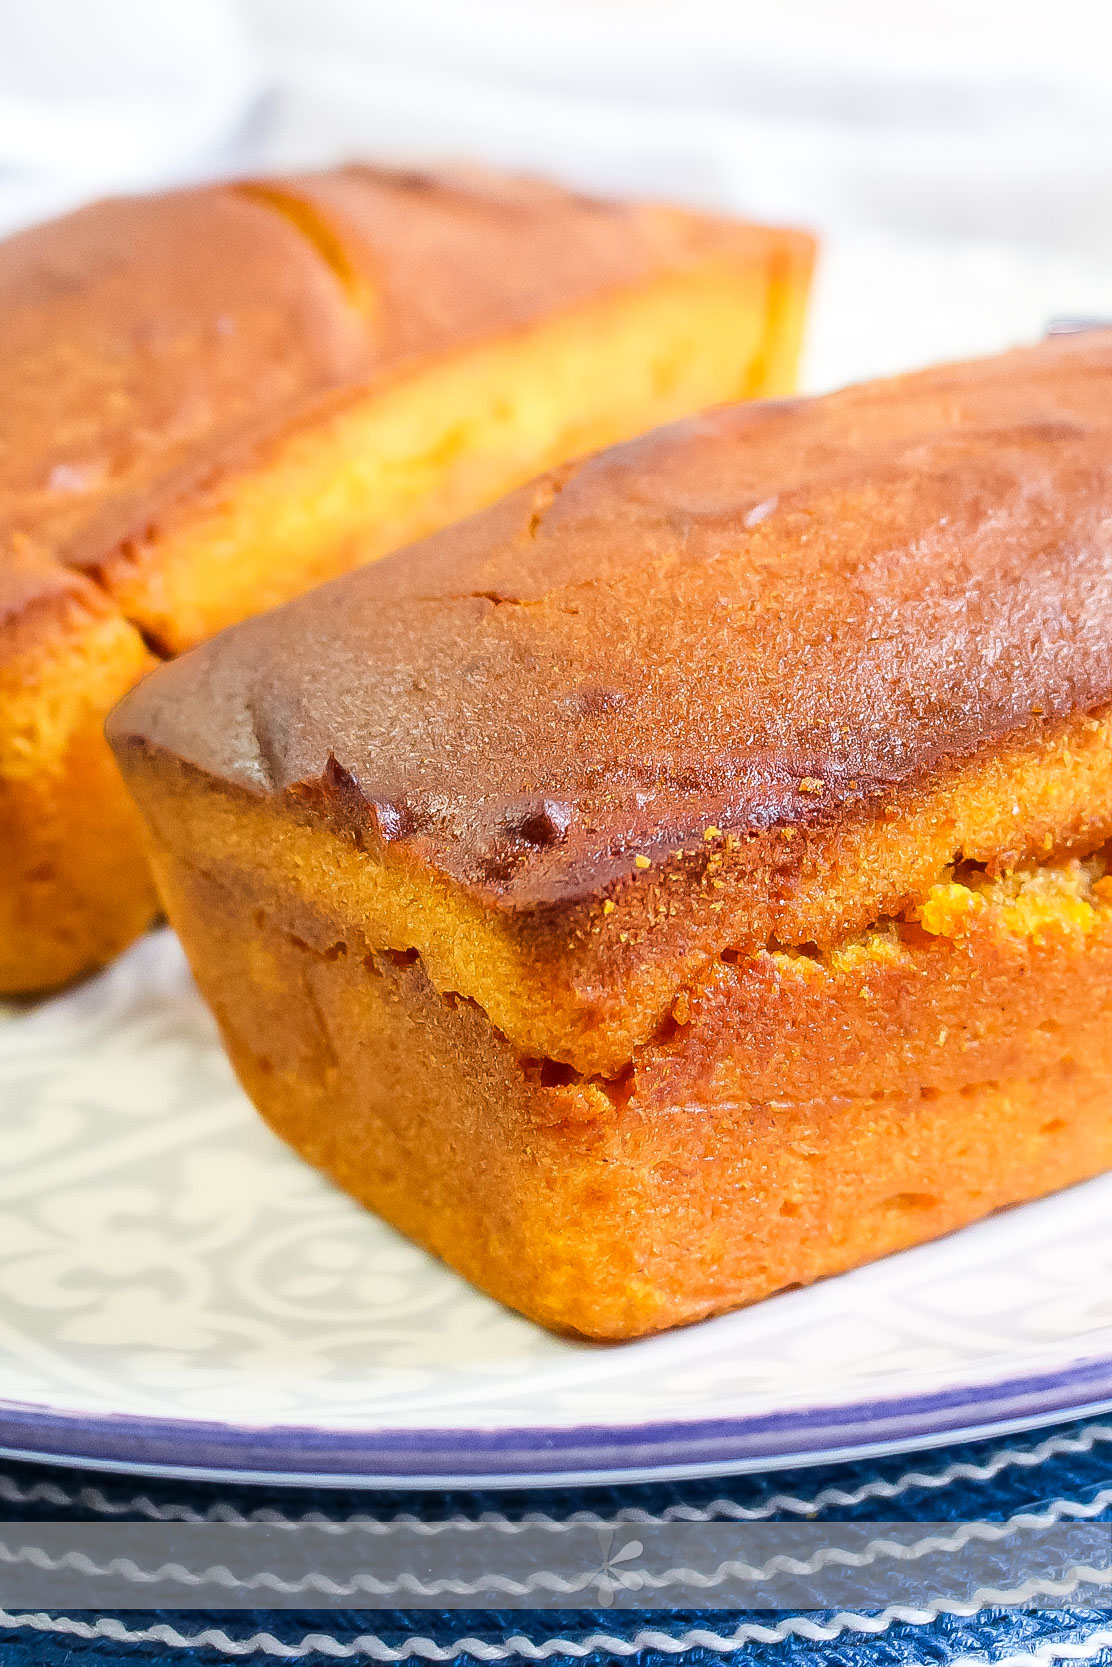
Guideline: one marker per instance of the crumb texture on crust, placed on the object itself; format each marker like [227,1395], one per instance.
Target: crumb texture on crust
[758,676]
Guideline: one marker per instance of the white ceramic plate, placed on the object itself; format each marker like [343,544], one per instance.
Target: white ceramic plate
[179,1293]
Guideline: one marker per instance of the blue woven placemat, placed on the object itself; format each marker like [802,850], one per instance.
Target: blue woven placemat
[1063,1474]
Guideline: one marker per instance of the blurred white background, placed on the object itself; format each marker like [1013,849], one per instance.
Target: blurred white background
[956,157]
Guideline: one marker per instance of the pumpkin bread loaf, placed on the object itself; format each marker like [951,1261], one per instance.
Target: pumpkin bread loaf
[688,877]
[215,398]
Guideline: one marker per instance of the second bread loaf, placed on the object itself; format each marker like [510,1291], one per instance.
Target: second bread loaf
[215,398]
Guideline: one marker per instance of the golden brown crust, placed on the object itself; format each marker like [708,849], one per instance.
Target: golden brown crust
[761,674]
[452,257]
[150,344]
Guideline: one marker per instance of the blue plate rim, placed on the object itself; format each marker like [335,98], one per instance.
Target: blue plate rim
[580,1454]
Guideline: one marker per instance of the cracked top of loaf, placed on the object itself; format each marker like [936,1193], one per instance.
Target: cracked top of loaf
[754,677]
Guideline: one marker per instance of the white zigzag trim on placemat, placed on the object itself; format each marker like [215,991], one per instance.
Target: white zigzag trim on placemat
[1040,1654]
[13,1492]
[547,1580]
[426,1649]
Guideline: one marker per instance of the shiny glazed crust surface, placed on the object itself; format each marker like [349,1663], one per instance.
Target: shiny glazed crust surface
[198,384]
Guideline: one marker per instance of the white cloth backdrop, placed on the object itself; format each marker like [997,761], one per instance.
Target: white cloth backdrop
[956,157]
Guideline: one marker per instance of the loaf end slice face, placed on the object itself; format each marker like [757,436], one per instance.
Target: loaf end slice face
[75,887]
